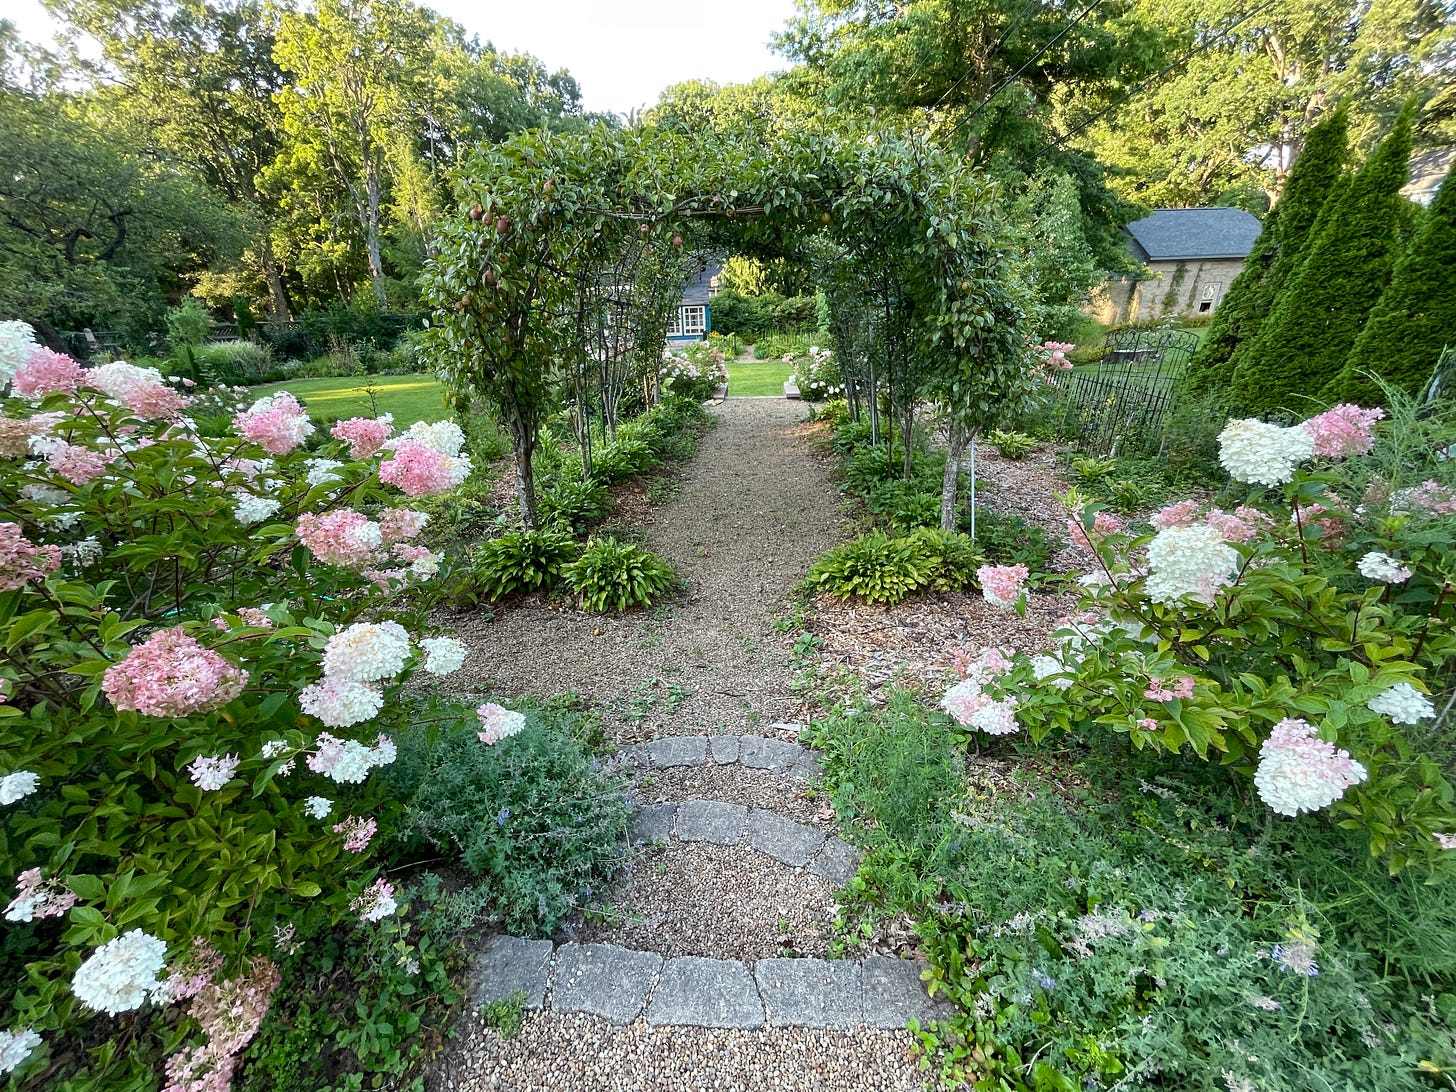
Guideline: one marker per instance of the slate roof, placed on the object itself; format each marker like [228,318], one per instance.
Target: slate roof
[699,288]
[1173,235]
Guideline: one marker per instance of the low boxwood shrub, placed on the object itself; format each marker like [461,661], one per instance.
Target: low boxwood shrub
[520,562]
[611,575]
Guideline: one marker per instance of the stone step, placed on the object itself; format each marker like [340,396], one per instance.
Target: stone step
[756,752]
[622,985]
[797,845]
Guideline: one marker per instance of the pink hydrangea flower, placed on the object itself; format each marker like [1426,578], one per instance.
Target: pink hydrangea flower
[22,561]
[1148,724]
[418,470]
[45,372]
[1103,524]
[1181,514]
[1242,525]
[1001,585]
[193,973]
[357,833]
[365,435]
[155,401]
[1161,691]
[401,524]
[1299,772]
[1343,431]
[171,675]
[77,464]
[498,723]
[1330,521]
[1428,498]
[376,903]
[229,1015]
[1446,841]
[277,423]
[342,537]
[38,898]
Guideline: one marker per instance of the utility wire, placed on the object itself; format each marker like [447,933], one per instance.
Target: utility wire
[1009,80]
[1005,34]
[1208,44]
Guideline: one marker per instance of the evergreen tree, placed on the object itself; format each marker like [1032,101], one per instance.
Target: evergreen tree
[1415,317]
[1275,254]
[1319,313]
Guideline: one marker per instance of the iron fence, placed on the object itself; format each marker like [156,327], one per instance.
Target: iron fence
[1123,400]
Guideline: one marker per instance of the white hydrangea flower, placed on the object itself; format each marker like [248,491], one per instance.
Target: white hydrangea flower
[443,655]
[318,807]
[322,470]
[383,752]
[17,786]
[248,508]
[16,1046]
[426,565]
[1193,561]
[1300,772]
[1382,568]
[1044,666]
[121,974]
[340,701]
[17,340]
[1263,454]
[212,772]
[446,437]
[118,379]
[83,553]
[1403,704]
[367,651]
[996,718]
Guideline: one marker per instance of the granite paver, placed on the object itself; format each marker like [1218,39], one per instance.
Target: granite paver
[782,839]
[810,993]
[604,980]
[506,965]
[706,993]
[710,821]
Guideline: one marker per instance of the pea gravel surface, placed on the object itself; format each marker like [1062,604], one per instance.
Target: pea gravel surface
[642,1058]
[754,510]
[723,902]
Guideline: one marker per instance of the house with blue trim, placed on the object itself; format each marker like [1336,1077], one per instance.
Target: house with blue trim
[694,315]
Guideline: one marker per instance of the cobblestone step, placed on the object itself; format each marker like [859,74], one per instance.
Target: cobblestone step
[797,845]
[756,752]
[622,984]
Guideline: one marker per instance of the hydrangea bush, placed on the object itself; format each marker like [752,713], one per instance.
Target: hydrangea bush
[817,375]
[1297,637]
[204,625]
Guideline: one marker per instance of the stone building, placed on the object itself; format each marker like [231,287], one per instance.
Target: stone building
[1189,258]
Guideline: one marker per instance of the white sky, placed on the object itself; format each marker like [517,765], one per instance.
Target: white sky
[622,52]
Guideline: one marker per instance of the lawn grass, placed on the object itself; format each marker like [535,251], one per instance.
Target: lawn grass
[410,398]
[758,377]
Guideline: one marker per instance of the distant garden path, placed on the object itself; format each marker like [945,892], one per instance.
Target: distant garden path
[753,511]
[704,967]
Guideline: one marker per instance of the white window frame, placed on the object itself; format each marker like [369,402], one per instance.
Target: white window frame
[674,324]
[693,319]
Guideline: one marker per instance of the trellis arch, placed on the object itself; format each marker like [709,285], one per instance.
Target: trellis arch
[541,216]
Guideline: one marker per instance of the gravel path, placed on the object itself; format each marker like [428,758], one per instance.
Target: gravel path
[753,511]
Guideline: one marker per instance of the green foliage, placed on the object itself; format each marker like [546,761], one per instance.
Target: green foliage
[956,558]
[1012,445]
[779,346]
[1093,468]
[358,1005]
[611,575]
[576,502]
[628,457]
[234,363]
[187,324]
[505,1015]
[873,568]
[1274,258]
[1415,317]
[904,505]
[521,562]
[1190,439]
[1116,917]
[1009,539]
[534,818]
[753,318]
[1319,312]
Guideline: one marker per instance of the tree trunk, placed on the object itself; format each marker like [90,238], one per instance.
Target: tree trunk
[278,310]
[523,447]
[950,484]
[371,237]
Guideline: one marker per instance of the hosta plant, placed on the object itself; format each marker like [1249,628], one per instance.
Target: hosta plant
[204,634]
[611,575]
[520,562]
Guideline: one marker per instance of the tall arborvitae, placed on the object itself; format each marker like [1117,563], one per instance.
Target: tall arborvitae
[1320,310]
[1275,255]
[1416,316]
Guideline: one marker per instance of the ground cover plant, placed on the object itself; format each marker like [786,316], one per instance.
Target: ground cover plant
[1212,844]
